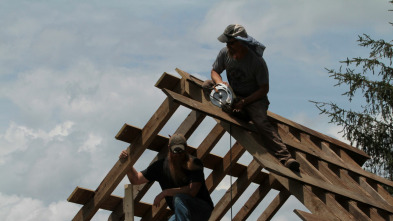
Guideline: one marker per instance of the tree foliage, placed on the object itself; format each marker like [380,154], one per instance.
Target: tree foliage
[370,126]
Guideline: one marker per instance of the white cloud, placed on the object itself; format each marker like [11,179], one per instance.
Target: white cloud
[91,143]
[13,207]
[17,137]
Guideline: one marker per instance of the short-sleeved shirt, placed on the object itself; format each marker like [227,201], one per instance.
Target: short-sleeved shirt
[245,75]
[159,171]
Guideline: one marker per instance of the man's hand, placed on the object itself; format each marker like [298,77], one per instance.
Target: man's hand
[238,106]
[226,83]
[123,154]
[158,199]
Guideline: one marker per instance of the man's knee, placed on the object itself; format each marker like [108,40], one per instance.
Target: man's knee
[180,198]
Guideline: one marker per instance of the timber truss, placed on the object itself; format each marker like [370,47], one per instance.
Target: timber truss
[331,184]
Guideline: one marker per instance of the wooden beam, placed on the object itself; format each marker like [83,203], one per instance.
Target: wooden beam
[324,152]
[307,197]
[264,157]
[275,205]
[117,173]
[237,188]
[82,196]
[128,203]
[323,167]
[309,216]
[210,161]
[210,141]
[224,167]
[357,154]
[360,155]
[253,201]
[218,114]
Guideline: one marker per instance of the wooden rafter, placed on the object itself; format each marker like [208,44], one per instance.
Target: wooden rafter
[331,183]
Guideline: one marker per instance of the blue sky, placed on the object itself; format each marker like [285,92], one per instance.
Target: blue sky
[73,72]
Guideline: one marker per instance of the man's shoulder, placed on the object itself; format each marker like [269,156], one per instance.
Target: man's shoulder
[160,160]
[194,164]
[223,51]
[157,164]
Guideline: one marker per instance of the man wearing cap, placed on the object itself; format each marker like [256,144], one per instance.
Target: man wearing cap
[181,179]
[248,77]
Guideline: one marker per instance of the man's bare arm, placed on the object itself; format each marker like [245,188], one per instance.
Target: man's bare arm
[134,176]
[216,77]
[191,189]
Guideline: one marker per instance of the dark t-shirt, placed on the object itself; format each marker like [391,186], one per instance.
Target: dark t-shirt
[245,75]
[159,171]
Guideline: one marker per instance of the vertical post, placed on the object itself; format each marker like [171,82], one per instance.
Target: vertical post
[128,203]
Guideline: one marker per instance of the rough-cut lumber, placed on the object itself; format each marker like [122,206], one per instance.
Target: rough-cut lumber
[117,173]
[275,205]
[82,196]
[262,155]
[128,203]
[253,201]
[218,114]
[331,182]
[359,155]
[237,188]
[309,217]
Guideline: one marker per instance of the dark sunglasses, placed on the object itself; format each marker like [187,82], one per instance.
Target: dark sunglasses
[177,151]
[231,42]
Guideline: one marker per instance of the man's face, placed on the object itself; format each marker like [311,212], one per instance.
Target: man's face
[177,153]
[233,46]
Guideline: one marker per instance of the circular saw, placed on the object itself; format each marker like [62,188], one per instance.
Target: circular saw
[222,96]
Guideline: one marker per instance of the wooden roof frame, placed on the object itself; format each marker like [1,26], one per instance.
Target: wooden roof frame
[331,183]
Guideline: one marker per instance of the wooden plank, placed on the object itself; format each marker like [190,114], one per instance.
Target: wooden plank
[128,133]
[356,212]
[305,195]
[117,173]
[271,163]
[349,148]
[255,198]
[309,216]
[264,157]
[210,141]
[224,167]
[208,109]
[327,198]
[82,196]
[361,156]
[275,205]
[128,203]
[211,160]
[237,188]
[167,81]
[325,153]
[218,114]
[371,177]
[323,167]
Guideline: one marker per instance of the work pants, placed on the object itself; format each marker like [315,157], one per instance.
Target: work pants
[257,112]
[188,208]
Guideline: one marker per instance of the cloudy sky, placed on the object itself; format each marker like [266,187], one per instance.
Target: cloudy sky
[73,72]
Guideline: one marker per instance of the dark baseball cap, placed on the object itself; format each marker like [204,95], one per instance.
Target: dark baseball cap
[232,31]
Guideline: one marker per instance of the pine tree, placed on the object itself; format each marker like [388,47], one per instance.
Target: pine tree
[370,126]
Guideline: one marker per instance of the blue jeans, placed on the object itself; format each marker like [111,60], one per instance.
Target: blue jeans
[188,208]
